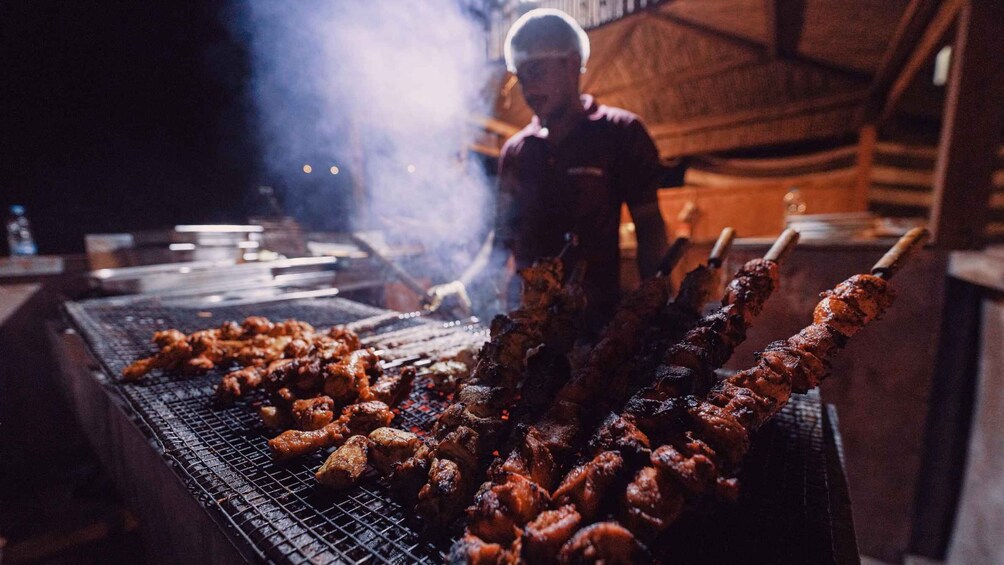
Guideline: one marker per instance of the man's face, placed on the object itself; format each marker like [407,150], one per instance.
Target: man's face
[549,85]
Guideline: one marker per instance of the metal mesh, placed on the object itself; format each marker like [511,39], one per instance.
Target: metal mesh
[277,512]
[784,513]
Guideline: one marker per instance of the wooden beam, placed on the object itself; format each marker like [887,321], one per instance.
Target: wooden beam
[922,151]
[826,123]
[495,125]
[486,150]
[971,128]
[773,45]
[821,159]
[911,26]
[866,156]
[785,19]
[920,56]
[758,114]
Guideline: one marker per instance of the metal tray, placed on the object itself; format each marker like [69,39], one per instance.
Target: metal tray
[205,275]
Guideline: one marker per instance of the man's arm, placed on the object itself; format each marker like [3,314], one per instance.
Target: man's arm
[641,171]
[496,251]
[651,232]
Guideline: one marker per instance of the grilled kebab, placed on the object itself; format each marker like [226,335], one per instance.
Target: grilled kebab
[522,483]
[472,427]
[691,447]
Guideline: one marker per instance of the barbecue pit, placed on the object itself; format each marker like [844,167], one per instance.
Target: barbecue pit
[793,508]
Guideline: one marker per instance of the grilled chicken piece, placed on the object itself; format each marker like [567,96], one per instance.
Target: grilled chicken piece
[409,477]
[391,447]
[236,384]
[274,418]
[606,542]
[622,435]
[448,374]
[248,344]
[651,502]
[313,413]
[360,418]
[349,380]
[544,536]
[499,510]
[392,389]
[693,466]
[345,465]
[450,474]
[470,549]
[586,486]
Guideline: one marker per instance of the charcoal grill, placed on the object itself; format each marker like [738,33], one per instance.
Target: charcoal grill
[794,506]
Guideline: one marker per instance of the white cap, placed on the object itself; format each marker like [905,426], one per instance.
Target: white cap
[575,42]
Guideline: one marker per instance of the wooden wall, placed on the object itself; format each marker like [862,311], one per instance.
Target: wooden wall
[902,184]
[754,207]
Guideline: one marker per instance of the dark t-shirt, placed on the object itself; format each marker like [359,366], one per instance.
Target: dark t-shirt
[577,186]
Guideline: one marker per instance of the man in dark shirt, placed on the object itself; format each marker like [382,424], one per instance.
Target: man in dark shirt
[574,165]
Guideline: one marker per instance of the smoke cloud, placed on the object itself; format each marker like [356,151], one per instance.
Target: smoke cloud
[383,90]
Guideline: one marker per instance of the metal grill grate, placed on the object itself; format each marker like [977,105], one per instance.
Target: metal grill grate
[278,513]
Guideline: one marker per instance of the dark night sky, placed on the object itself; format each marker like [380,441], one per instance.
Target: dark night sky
[119,116]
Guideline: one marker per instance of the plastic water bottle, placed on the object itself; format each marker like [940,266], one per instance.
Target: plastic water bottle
[19,238]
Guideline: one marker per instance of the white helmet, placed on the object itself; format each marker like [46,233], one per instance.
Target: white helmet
[545,33]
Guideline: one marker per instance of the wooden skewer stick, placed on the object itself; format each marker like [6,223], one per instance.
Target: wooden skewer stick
[721,248]
[783,246]
[891,262]
[672,256]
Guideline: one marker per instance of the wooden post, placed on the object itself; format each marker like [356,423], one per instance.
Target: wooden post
[971,128]
[926,47]
[866,156]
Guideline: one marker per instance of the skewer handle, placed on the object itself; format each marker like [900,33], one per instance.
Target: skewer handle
[721,248]
[571,240]
[893,259]
[783,246]
[672,256]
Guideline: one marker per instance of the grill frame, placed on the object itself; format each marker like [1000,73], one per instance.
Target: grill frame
[226,466]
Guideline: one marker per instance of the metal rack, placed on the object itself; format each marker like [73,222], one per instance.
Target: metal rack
[276,512]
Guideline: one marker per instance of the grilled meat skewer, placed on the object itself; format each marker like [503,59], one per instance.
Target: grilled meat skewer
[704,439]
[470,429]
[493,518]
[520,484]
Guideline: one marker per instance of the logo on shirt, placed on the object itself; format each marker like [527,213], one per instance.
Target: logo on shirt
[587,171]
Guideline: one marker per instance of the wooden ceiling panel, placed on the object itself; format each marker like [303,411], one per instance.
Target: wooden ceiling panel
[743,18]
[652,53]
[848,34]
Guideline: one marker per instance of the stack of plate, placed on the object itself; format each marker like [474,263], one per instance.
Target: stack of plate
[844,226]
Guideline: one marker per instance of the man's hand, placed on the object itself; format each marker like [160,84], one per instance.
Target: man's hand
[440,292]
[651,232]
